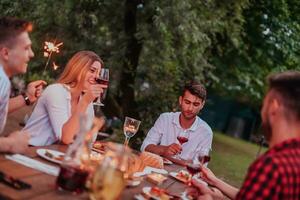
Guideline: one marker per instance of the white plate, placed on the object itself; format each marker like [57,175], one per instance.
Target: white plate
[175,175]
[133,183]
[167,162]
[98,150]
[51,155]
[146,190]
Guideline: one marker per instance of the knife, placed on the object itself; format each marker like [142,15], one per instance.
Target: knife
[13,182]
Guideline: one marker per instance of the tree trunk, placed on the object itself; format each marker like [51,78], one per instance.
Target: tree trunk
[132,53]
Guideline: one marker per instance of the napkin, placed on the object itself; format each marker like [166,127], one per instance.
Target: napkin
[29,162]
[149,170]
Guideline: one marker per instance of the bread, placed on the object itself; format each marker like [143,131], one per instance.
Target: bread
[135,164]
[152,160]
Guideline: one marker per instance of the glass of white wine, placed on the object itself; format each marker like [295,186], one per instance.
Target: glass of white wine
[131,126]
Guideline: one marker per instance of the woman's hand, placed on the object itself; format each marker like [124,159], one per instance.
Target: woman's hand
[208,176]
[94,91]
[206,192]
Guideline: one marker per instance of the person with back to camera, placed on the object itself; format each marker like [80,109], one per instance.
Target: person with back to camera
[275,174]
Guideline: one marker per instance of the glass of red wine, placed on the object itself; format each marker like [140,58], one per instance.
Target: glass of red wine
[204,156]
[181,140]
[103,79]
[72,179]
[193,169]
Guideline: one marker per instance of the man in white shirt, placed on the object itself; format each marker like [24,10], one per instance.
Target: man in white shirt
[15,53]
[162,137]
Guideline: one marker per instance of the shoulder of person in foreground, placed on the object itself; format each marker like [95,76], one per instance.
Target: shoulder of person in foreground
[262,180]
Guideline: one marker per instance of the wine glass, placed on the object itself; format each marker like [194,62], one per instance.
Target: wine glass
[203,155]
[103,78]
[181,139]
[131,126]
[193,169]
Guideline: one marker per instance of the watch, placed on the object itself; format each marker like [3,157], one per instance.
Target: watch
[26,99]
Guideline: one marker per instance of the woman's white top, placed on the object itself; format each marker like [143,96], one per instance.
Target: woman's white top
[51,112]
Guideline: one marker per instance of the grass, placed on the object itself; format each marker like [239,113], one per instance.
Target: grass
[231,158]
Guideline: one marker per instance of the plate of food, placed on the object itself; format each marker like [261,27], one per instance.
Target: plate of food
[182,176]
[99,147]
[155,193]
[51,155]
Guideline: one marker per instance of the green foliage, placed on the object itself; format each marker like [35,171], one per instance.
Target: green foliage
[228,45]
[270,43]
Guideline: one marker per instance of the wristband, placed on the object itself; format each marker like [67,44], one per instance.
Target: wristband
[26,99]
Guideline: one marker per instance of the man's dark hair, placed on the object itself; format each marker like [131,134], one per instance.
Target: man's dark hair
[196,89]
[10,28]
[287,85]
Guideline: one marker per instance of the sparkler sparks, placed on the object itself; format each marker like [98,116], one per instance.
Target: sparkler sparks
[49,49]
[55,66]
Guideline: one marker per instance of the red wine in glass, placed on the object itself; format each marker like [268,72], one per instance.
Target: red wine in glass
[101,81]
[204,159]
[193,168]
[72,179]
[182,139]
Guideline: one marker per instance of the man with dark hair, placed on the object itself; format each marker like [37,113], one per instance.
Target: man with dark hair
[275,174]
[162,137]
[15,53]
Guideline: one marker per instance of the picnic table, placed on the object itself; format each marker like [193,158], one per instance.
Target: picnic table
[43,185]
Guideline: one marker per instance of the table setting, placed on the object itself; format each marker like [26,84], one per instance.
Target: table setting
[99,169]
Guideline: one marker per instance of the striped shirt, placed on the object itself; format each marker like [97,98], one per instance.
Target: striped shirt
[167,128]
[4,97]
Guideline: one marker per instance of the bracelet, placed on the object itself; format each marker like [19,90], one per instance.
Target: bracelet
[26,99]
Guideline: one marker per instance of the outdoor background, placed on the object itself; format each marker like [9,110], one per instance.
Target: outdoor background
[153,47]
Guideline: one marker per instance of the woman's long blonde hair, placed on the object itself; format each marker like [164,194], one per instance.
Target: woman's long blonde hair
[77,67]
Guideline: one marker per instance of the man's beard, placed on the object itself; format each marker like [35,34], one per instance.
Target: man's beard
[267,129]
[188,116]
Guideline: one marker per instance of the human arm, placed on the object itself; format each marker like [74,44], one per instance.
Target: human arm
[162,150]
[205,192]
[33,91]
[16,142]
[211,179]
[71,126]
[152,142]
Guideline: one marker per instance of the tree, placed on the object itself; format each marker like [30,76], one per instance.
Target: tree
[270,43]
[152,47]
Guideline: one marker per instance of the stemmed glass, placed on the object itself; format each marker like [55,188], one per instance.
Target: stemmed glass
[103,78]
[181,139]
[202,158]
[204,155]
[131,126]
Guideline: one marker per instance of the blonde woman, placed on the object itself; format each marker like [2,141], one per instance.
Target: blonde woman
[56,115]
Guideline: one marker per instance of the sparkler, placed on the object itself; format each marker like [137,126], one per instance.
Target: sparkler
[49,49]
